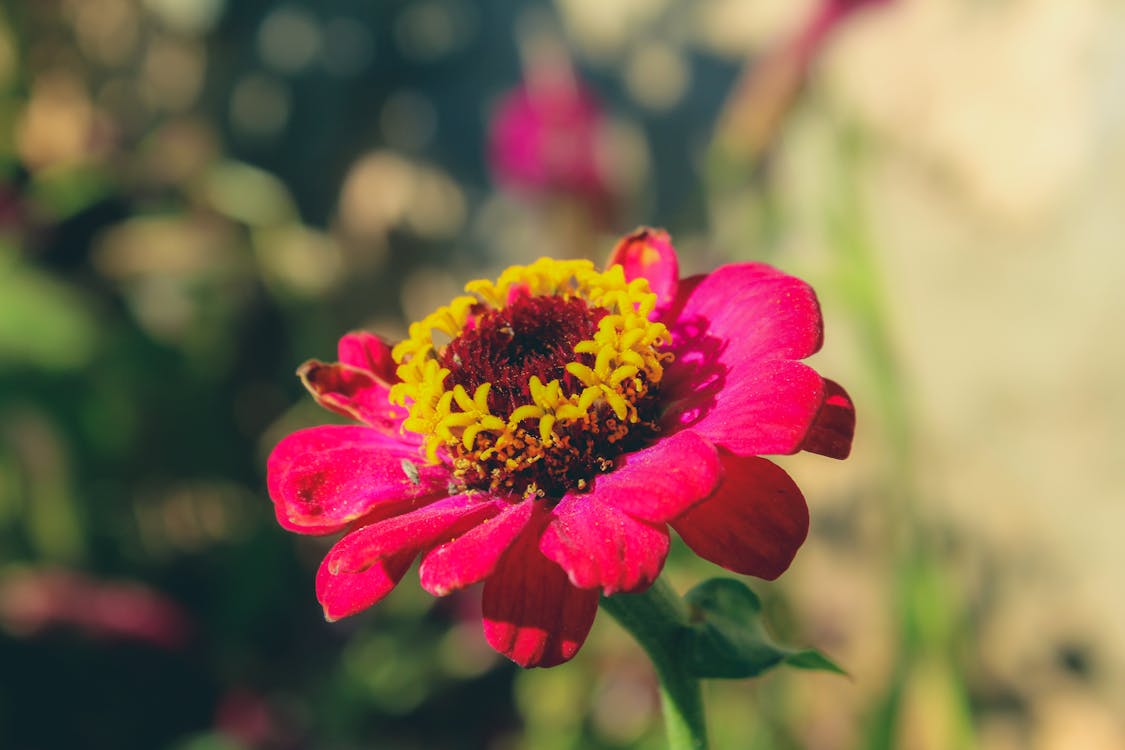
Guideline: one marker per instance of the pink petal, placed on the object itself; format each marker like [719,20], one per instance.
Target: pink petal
[745,313]
[601,547]
[834,426]
[753,524]
[353,392]
[649,253]
[368,352]
[323,478]
[532,614]
[473,556]
[410,532]
[662,481]
[761,408]
[733,379]
[344,594]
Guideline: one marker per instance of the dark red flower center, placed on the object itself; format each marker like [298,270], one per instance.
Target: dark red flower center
[531,336]
[536,336]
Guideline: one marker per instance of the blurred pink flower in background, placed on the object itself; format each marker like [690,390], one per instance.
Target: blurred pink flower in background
[33,601]
[544,137]
[547,138]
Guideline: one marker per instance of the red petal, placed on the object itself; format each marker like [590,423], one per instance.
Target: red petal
[353,392]
[832,430]
[532,614]
[755,522]
[323,478]
[649,253]
[602,548]
[344,594]
[761,408]
[368,352]
[410,532]
[663,480]
[473,556]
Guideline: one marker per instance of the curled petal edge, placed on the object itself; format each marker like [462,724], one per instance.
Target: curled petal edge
[833,426]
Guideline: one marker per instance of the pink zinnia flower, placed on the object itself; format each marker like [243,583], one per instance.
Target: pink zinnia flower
[542,434]
[547,136]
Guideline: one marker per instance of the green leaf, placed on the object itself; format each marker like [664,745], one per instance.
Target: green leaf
[726,638]
[812,659]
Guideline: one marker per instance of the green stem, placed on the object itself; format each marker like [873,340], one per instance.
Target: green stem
[656,619]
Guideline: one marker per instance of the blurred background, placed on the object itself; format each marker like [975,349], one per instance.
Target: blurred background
[198,195]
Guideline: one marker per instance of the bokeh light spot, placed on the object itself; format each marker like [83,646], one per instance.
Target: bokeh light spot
[431,29]
[260,105]
[250,195]
[657,75]
[304,261]
[375,193]
[289,39]
[187,16]
[172,74]
[57,123]
[107,30]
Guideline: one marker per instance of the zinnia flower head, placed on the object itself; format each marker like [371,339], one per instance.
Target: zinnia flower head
[546,136]
[542,433]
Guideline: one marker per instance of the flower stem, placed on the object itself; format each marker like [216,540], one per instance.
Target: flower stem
[656,618]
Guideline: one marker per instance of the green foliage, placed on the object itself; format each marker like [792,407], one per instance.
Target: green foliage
[45,323]
[727,638]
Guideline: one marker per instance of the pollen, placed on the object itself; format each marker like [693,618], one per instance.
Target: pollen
[546,375]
